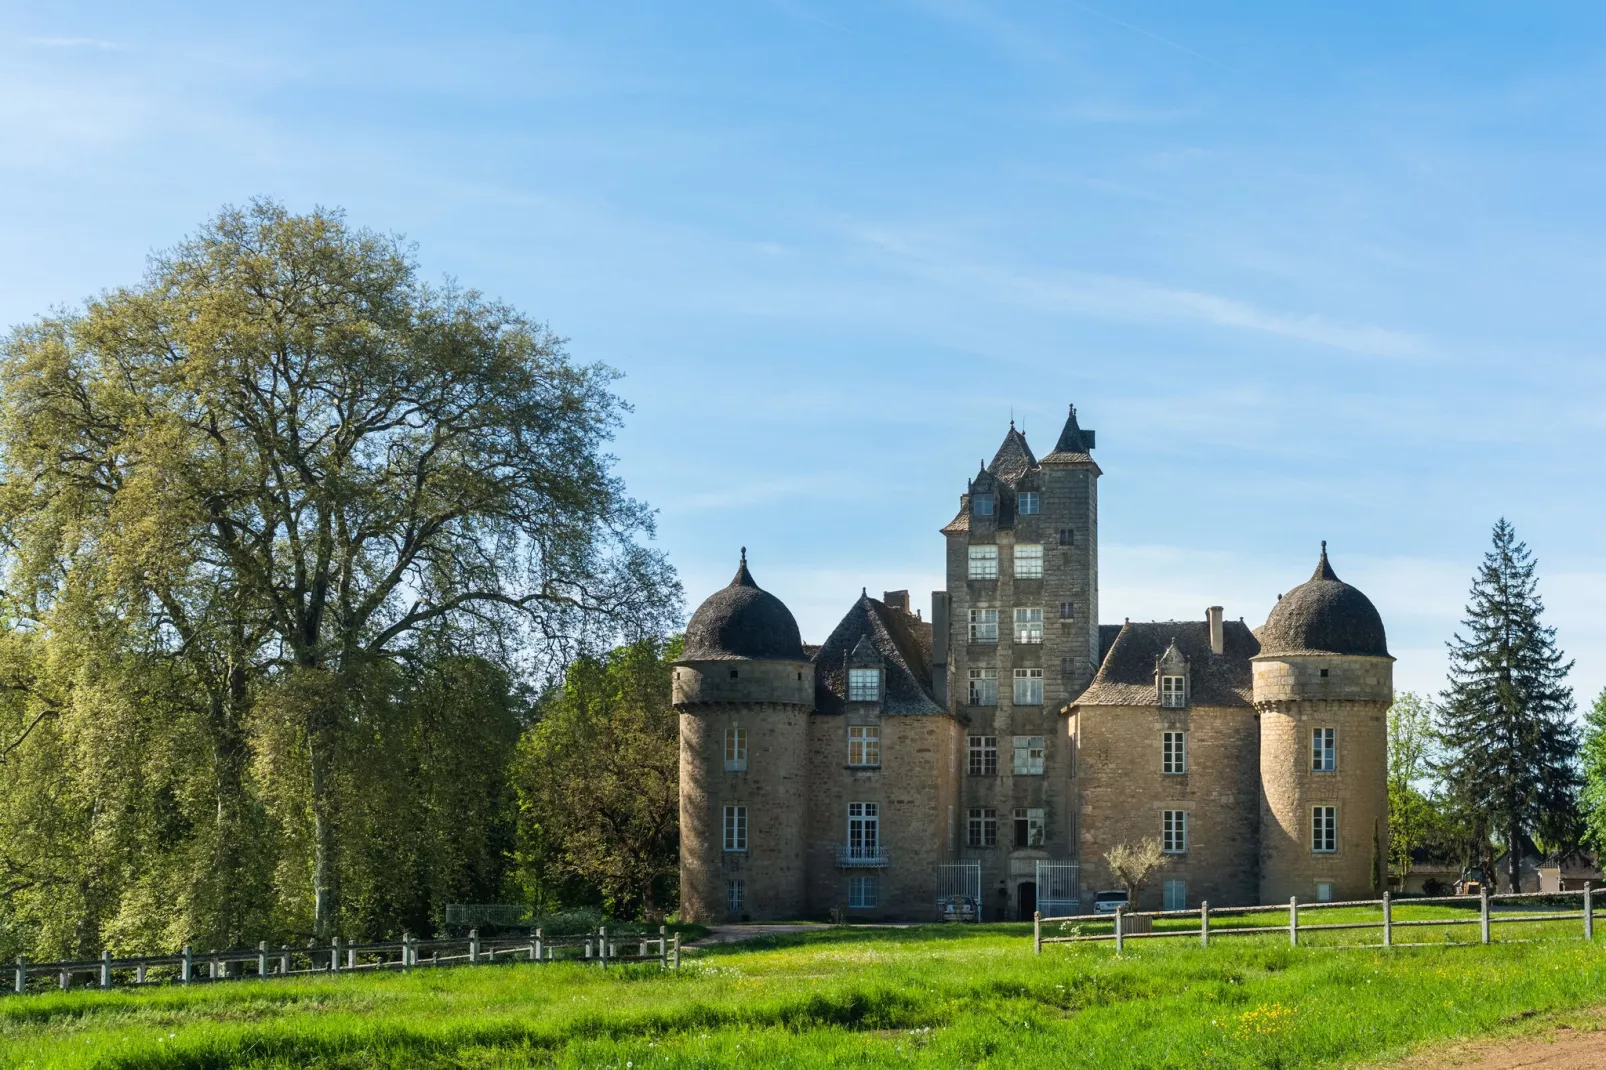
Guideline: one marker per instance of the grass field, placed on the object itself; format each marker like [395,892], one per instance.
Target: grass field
[878,997]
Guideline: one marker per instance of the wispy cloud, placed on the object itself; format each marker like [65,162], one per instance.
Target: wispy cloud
[1132,300]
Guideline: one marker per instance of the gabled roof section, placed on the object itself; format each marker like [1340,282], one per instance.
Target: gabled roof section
[1014,457]
[904,643]
[1075,446]
[1126,677]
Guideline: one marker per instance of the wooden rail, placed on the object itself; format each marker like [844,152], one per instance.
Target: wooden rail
[1205,931]
[188,966]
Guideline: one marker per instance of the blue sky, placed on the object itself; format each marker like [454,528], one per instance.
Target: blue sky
[1312,271]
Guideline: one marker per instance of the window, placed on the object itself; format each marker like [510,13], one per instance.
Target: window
[735,828]
[1173,691]
[981,829]
[864,830]
[1174,831]
[1067,666]
[1067,536]
[1029,624]
[1324,830]
[1028,503]
[1067,611]
[984,687]
[1028,828]
[864,744]
[1028,561]
[1324,891]
[1029,755]
[981,504]
[983,755]
[984,626]
[1174,752]
[735,896]
[863,892]
[1176,894]
[1324,750]
[1028,687]
[864,685]
[735,750]
[984,562]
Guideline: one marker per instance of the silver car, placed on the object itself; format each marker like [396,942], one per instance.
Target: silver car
[1109,902]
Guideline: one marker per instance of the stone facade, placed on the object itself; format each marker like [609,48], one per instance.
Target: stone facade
[1012,739]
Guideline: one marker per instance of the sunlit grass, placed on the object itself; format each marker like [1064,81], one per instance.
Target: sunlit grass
[927,996]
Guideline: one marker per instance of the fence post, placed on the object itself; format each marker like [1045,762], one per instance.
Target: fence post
[1483,913]
[677,951]
[65,979]
[105,969]
[187,967]
[1037,932]
[539,938]
[663,947]
[1120,936]
[602,945]
[284,959]
[139,971]
[1204,923]
[22,975]
[1293,921]
[1589,912]
[473,947]
[351,957]
[262,958]
[1388,921]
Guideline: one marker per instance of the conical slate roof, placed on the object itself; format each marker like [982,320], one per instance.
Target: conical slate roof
[1324,615]
[1014,457]
[1074,444]
[742,621]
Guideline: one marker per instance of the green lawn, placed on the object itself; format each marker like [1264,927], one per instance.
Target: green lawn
[878,997]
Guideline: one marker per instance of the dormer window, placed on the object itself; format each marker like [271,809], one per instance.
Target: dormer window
[981,504]
[1028,503]
[864,685]
[1173,691]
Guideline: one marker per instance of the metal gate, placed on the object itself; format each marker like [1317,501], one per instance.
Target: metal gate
[1058,891]
[959,879]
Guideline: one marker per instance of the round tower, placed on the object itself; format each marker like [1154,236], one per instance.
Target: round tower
[1323,683]
[744,689]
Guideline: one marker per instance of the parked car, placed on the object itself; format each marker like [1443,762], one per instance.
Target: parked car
[1109,902]
[957,908]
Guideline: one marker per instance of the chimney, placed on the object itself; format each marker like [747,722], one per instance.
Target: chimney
[1218,636]
[939,646]
[896,600]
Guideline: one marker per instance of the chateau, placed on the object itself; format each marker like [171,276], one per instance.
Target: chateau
[1001,748]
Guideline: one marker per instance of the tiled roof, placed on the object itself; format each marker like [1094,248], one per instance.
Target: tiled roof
[1324,615]
[904,643]
[1014,457]
[1126,674]
[1074,446]
[742,621]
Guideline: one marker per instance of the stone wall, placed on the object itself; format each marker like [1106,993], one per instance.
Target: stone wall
[774,788]
[914,788]
[1123,791]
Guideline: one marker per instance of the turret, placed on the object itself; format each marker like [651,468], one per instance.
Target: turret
[1323,683]
[744,688]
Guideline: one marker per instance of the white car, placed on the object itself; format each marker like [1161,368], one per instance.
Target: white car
[1109,902]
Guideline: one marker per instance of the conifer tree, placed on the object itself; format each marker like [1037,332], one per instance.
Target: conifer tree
[1506,724]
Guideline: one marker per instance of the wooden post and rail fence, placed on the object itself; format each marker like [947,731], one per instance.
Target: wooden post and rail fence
[188,966]
[1139,925]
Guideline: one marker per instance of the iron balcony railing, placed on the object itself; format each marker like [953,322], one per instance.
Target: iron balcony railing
[861,857]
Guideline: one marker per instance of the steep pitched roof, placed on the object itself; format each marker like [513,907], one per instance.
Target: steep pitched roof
[1075,446]
[904,643]
[1126,676]
[1014,457]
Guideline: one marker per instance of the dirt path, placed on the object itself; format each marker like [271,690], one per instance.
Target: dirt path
[730,934]
[1561,1048]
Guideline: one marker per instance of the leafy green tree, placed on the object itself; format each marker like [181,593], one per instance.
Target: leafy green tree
[599,781]
[1593,755]
[1412,814]
[275,471]
[1510,743]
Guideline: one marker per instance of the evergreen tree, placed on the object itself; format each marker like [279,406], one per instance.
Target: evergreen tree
[1594,762]
[1506,720]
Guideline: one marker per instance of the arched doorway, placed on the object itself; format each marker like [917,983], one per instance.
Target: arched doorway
[1026,900]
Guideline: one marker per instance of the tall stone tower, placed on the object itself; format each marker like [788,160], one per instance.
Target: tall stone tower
[1017,638]
[744,688]
[1323,683]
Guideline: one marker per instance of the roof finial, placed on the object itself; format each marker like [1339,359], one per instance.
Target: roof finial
[1324,547]
[744,554]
